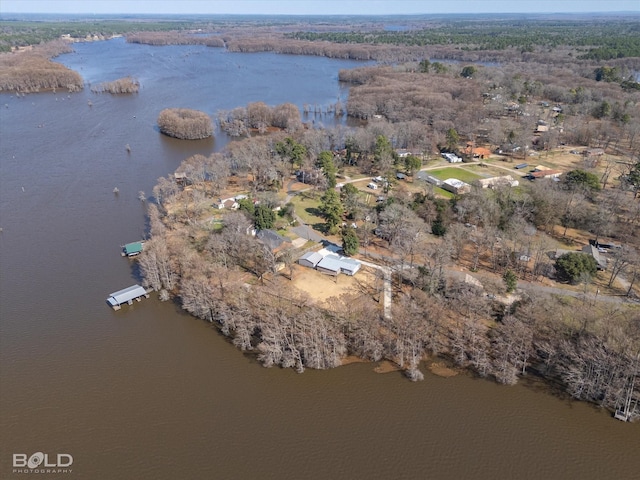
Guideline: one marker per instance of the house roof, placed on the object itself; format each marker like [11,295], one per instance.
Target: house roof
[503,180]
[454,182]
[271,238]
[311,257]
[336,264]
[350,264]
[593,251]
[331,263]
[546,173]
[479,151]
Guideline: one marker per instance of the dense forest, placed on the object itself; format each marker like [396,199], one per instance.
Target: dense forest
[557,92]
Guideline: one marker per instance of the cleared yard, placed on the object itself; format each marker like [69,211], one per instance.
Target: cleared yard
[321,287]
[306,207]
[459,173]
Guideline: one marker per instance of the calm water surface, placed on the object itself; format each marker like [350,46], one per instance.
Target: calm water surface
[151,393]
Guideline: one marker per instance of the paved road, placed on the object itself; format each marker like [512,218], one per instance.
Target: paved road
[305,231]
[386,271]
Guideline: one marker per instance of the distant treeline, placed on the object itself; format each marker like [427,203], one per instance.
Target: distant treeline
[122,85]
[602,40]
[174,38]
[20,33]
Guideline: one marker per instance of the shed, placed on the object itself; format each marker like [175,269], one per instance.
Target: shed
[596,152]
[425,177]
[310,259]
[126,295]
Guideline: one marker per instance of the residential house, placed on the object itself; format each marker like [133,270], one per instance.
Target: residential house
[595,253]
[272,239]
[456,186]
[498,181]
[451,158]
[477,152]
[334,265]
[548,173]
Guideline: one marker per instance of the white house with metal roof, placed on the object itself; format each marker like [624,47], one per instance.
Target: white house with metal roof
[334,265]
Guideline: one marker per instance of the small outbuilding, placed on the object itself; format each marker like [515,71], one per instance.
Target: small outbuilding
[456,186]
[126,295]
[310,259]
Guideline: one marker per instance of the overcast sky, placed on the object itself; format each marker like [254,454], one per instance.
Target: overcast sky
[316,7]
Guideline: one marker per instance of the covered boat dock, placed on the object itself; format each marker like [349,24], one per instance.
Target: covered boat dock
[132,249]
[126,295]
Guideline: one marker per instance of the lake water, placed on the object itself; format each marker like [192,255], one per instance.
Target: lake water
[151,393]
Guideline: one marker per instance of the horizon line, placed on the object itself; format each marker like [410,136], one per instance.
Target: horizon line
[333,14]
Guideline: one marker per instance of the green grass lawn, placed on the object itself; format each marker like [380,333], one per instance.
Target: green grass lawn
[306,207]
[441,192]
[459,173]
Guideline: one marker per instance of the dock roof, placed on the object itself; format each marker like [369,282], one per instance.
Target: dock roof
[125,295]
[132,248]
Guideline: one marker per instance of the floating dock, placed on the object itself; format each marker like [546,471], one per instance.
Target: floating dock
[126,295]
